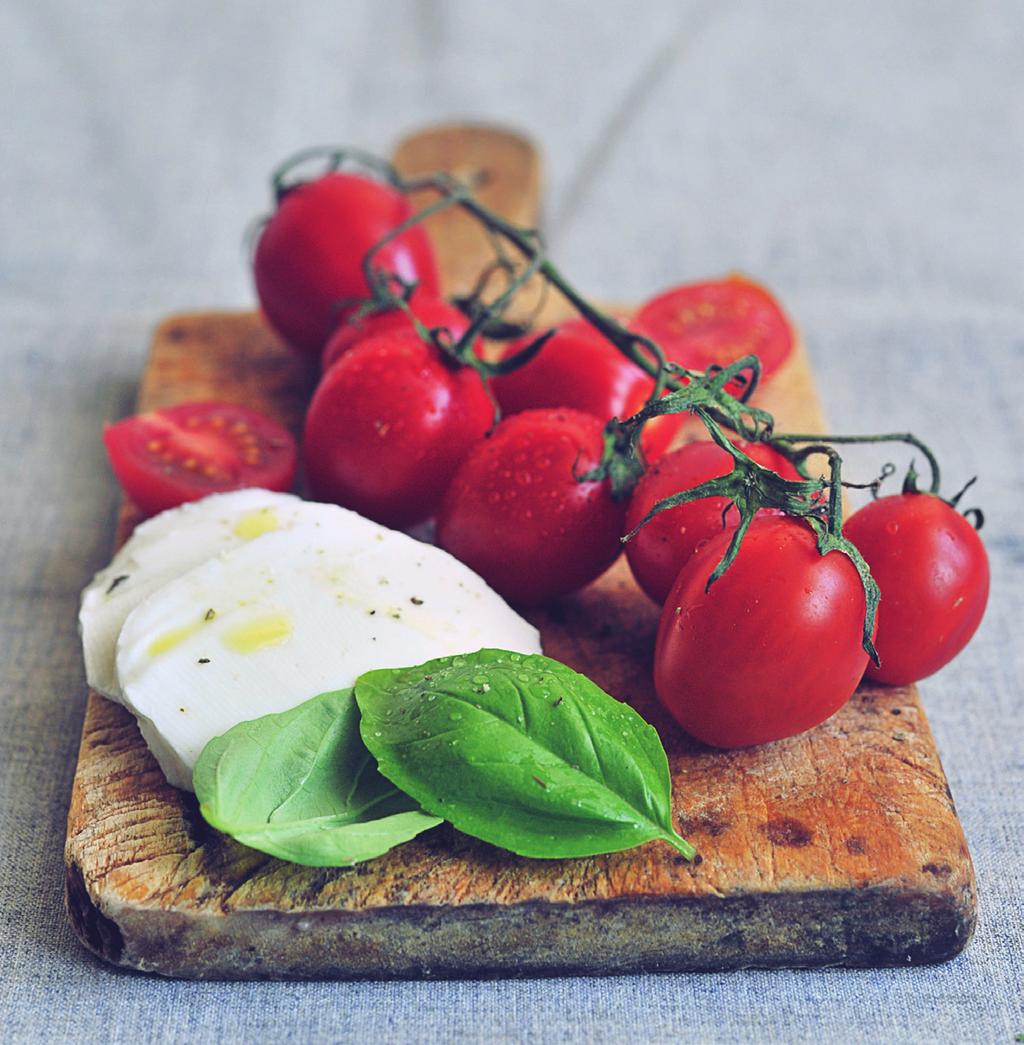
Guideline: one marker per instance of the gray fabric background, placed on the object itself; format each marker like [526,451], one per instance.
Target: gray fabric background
[866,159]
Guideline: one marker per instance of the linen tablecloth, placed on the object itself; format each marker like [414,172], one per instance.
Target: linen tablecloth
[866,160]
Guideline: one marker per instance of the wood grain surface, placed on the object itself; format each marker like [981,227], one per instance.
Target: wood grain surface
[838,847]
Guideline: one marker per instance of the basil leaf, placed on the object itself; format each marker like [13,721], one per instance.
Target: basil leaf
[301,785]
[521,752]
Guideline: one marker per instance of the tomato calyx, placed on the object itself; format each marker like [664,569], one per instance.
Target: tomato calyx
[748,486]
[707,395]
[975,516]
[318,160]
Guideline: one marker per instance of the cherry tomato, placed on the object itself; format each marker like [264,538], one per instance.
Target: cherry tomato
[661,547]
[699,324]
[772,649]
[516,514]
[432,312]
[389,424]
[308,261]
[932,571]
[181,453]
[580,369]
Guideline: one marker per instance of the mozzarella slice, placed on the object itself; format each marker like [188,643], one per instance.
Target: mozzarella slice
[265,626]
[173,542]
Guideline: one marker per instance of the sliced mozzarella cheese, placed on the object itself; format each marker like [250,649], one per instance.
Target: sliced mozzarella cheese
[173,542]
[265,626]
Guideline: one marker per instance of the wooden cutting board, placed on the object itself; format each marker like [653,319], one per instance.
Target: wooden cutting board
[838,847]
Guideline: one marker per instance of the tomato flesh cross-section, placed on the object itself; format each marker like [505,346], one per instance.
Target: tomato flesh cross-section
[182,453]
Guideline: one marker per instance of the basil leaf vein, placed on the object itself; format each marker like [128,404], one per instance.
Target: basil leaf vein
[522,752]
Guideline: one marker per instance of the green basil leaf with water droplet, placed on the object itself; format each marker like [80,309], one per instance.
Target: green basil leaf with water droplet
[522,752]
[301,786]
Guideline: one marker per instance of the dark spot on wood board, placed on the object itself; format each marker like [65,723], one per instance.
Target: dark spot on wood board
[896,711]
[703,823]
[786,831]
[176,333]
[855,844]
[939,870]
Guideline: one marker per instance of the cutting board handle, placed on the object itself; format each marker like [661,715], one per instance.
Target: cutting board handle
[507,168]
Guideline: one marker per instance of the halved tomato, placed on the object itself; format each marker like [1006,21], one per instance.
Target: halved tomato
[717,322]
[181,453]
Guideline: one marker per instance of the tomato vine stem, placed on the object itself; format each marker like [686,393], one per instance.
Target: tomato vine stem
[783,442]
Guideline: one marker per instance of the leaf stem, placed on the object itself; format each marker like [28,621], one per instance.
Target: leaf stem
[680,844]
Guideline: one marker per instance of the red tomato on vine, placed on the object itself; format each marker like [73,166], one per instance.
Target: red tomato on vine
[932,571]
[516,514]
[580,369]
[432,312]
[772,649]
[389,424]
[308,259]
[661,547]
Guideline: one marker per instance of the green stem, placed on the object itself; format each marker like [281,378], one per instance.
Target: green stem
[334,158]
[888,437]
